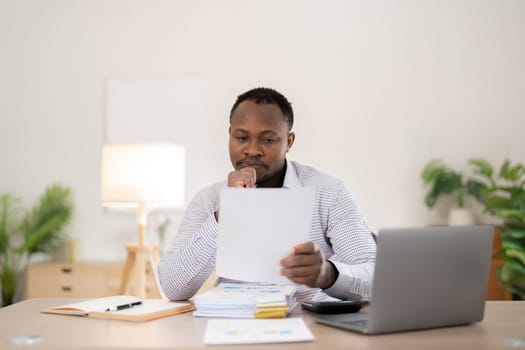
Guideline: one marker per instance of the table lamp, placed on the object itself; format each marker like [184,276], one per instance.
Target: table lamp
[143,177]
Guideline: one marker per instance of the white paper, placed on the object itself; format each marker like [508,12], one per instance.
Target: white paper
[259,227]
[256,331]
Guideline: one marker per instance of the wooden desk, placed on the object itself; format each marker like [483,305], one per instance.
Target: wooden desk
[503,326]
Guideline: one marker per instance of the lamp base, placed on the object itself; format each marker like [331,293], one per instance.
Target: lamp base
[140,277]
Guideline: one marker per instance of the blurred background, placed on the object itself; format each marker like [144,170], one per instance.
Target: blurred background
[378,87]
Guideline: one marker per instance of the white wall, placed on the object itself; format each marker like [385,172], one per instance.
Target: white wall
[378,87]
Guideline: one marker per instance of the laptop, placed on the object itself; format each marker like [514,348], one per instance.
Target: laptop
[424,278]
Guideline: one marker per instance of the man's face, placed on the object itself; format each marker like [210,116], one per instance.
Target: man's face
[260,138]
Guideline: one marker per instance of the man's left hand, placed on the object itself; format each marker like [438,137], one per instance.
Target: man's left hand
[306,265]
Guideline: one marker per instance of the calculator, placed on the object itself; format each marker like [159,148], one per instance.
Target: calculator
[333,307]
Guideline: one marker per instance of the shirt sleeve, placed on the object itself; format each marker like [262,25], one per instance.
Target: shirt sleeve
[191,258]
[353,246]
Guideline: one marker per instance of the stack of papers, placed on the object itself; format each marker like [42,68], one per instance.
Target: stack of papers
[234,300]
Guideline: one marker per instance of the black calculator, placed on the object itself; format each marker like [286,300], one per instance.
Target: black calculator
[333,307]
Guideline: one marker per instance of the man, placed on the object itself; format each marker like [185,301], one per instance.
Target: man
[337,261]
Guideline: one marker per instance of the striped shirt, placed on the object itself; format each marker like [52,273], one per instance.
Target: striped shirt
[338,228]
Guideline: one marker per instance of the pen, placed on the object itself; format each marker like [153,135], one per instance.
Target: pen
[124,306]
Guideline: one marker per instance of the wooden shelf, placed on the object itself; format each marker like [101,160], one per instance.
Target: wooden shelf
[77,280]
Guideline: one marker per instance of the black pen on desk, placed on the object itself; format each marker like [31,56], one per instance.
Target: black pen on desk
[124,306]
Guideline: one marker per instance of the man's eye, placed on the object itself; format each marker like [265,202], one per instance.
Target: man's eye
[241,138]
[268,140]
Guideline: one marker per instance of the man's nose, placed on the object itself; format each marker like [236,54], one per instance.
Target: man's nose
[253,149]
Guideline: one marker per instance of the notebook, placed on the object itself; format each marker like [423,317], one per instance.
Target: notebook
[122,307]
[424,278]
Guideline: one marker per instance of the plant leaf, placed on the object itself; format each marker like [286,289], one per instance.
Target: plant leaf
[516,291]
[512,244]
[482,167]
[8,282]
[495,203]
[476,188]
[9,221]
[517,199]
[511,270]
[518,254]
[430,199]
[443,180]
[513,216]
[432,170]
[514,173]
[504,169]
[508,233]
[45,236]
[43,226]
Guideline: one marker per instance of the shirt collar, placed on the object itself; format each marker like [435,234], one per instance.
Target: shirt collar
[291,180]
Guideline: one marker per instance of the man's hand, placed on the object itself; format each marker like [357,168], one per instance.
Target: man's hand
[244,177]
[306,265]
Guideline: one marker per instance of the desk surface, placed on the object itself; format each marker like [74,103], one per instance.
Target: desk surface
[502,328]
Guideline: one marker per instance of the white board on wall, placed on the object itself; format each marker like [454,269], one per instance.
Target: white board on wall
[156,110]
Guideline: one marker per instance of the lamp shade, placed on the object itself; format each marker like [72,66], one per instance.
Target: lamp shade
[151,175]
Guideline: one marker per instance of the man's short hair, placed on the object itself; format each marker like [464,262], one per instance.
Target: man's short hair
[263,95]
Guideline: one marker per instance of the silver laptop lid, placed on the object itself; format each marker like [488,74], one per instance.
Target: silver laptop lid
[430,277]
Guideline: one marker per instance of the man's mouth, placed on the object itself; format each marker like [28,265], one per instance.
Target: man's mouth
[251,163]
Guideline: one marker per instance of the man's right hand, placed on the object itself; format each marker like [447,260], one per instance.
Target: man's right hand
[244,177]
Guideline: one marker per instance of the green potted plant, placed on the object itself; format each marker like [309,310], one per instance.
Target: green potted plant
[24,233]
[444,181]
[504,197]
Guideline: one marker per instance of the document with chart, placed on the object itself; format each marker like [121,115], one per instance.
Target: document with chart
[222,332]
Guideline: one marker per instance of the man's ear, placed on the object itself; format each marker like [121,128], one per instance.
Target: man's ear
[229,130]
[291,139]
